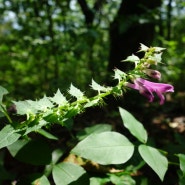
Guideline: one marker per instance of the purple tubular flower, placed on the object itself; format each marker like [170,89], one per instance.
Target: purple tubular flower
[147,89]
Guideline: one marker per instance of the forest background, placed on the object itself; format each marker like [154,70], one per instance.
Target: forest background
[48,44]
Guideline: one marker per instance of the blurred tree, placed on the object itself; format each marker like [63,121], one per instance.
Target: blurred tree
[172,16]
[47,44]
[134,23]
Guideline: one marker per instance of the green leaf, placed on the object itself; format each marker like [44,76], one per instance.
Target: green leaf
[133,125]
[59,98]
[35,152]
[3,91]
[47,134]
[95,86]
[44,103]
[3,110]
[154,159]
[155,59]
[105,148]
[56,156]
[159,49]
[42,180]
[122,179]
[99,180]
[35,127]
[69,173]
[93,129]
[34,105]
[118,74]
[132,58]
[182,162]
[16,147]
[143,48]
[76,92]
[24,107]
[8,136]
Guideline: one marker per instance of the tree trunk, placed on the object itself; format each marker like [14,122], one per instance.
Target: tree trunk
[133,24]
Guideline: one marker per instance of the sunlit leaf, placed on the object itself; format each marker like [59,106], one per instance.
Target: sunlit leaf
[159,49]
[132,58]
[134,126]
[93,129]
[59,98]
[68,173]
[105,148]
[35,127]
[154,159]
[122,179]
[99,180]
[118,74]
[3,91]
[143,48]
[182,162]
[76,92]
[156,58]
[56,155]
[44,103]
[95,86]
[42,180]
[24,107]
[8,136]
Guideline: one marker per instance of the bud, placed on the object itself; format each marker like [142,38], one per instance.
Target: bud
[153,73]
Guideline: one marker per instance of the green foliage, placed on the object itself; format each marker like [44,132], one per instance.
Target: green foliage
[49,45]
[134,126]
[59,99]
[93,129]
[73,91]
[69,173]
[172,38]
[95,86]
[105,148]
[149,155]
[182,162]
[32,142]
[8,135]
[45,46]
[42,180]
[3,91]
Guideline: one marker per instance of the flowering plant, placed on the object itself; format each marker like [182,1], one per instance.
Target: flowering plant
[142,66]
[97,144]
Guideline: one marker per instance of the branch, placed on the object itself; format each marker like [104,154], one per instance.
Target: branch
[98,4]
[88,13]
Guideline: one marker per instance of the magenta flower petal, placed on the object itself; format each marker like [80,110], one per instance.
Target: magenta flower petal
[147,93]
[147,89]
[161,97]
